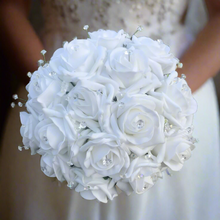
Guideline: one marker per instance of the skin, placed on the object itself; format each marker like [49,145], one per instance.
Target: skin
[201,61]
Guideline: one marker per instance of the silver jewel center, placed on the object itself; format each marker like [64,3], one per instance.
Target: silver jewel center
[106,161]
[140,124]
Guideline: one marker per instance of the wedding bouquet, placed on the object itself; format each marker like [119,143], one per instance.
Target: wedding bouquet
[109,114]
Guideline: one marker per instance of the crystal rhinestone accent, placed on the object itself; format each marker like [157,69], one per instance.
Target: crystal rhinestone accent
[154,177]
[174,81]
[183,157]
[140,124]
[119,96]
[15,96]
[44,169]
[20,104]
[87,187]
[122,176]
[43,52]
[40,63]
[45,139]
[193,140]
[26,147]
[75,96]
[167,75]
[189,130]
[106,162]
[99,92]
[20,148]
[185,88]
[86,27]
[180,65]
[70,163]
[52,74]
[12,104]
[160,41]
[167,126]
[82,125]
[70,185]
[121,104]
[126,52]
[29,74]
[147,156]
[140,28]
[133,156]
[75,47]
[37,86]
[127,35]
[141,176]
[145,186]
[183,76]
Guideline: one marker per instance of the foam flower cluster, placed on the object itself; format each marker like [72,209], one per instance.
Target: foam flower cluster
[109,114]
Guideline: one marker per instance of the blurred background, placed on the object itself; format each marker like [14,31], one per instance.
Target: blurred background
[9,81]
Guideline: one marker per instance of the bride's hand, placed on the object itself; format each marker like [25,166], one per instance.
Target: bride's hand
[202,60]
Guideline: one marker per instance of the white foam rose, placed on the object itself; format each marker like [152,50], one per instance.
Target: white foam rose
[161,60]
[94,187]
[103,154]
[180,106]
[108,38]
[40,81]
[46,164]
[43,89]
[70,124]
[138,122]
[78,59]
[126,66]
[50,133]
[143,172]
[88,99]
[85,99]
[27,131]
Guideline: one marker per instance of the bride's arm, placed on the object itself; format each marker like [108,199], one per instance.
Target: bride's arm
[202,60]
[21,45]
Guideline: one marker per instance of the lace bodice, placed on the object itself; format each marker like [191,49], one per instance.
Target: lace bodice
[64,19]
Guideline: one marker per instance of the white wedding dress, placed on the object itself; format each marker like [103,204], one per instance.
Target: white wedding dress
[191,194]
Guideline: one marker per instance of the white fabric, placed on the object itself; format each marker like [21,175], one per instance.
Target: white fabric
[194,192]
